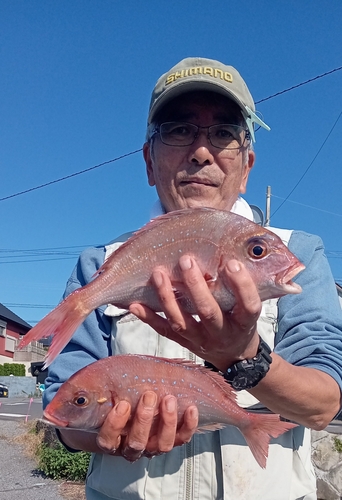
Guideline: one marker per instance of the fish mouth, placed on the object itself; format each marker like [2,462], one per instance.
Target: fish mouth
[284,279]
[54,420]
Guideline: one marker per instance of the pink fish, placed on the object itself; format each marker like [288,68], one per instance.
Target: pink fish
[211,236]
[86,398]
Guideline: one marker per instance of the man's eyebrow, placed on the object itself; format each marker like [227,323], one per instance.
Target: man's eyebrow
[181,117]
[221,117]
[227,117]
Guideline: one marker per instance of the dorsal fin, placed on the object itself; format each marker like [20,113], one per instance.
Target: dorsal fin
[159,221]
[208,372]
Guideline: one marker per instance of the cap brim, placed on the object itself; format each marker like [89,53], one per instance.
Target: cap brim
[184,87]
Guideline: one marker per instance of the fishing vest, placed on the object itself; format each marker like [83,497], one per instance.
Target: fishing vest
[213,466]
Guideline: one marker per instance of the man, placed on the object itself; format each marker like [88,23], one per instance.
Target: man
[198,153]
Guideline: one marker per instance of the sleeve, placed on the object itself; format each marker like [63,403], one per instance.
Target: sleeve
[310,323]
[91,341]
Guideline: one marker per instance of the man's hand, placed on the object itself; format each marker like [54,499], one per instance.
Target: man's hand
[137,441]
[220,338]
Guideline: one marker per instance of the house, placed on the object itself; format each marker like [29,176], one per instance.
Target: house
[11,329]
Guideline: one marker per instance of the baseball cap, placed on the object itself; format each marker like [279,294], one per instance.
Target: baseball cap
[196,73]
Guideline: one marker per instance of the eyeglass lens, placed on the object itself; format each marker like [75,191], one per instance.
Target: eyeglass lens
[223,136]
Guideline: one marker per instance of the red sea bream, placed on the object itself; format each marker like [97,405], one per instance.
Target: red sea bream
[211,237]
[86,398]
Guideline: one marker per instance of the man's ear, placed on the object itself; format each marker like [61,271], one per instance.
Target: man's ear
[148,162]
[247,170]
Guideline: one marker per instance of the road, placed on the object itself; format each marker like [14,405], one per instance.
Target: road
[20,408]
[19,479]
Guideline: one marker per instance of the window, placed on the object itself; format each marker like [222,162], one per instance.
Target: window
[10,344]
[3,325]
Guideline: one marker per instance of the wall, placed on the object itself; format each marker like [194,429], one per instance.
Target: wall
[328,465]
[19,386]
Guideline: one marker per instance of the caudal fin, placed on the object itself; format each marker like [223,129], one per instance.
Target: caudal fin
[259,432]
[60,323]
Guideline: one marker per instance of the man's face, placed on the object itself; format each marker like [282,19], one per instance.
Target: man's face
[199,175]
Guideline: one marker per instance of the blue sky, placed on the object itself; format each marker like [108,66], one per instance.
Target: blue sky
[76,78]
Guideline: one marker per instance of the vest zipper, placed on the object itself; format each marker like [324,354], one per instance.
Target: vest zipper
[189,456]
[188,471]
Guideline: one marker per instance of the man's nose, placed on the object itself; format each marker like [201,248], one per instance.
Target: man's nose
[200,150]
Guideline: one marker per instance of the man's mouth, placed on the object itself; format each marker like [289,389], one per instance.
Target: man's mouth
[196,180]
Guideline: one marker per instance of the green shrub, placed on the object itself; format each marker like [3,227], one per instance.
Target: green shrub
[16,369]
[58,463]
[337,444]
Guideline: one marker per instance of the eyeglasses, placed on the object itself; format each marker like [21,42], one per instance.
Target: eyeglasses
[223,136]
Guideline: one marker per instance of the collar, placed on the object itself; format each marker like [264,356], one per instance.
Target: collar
[240,207]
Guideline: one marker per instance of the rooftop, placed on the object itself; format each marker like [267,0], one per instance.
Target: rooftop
[7,314]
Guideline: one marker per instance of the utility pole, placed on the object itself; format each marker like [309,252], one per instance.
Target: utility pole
[268,206]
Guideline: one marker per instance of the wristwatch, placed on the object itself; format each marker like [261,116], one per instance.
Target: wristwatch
[247,373]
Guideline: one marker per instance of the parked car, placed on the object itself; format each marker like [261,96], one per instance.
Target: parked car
[3,391]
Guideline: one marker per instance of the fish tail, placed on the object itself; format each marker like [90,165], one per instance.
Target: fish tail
[259,432]
[60,323]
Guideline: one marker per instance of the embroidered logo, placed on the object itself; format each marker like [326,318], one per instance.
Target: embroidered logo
[200,70]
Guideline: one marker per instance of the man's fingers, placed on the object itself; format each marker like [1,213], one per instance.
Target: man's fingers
[206,306]
[148,316]
[165,439]
[162,326]
[248,303]
[188,427]
[109,437]
[137,438]
[168,437]
[170,305]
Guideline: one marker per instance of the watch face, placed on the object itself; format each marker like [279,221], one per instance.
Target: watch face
[248,373]
[247,380]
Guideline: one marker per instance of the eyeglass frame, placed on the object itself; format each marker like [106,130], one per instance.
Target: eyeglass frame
[156,131]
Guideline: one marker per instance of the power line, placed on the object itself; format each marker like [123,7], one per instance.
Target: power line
[35,260]
[15,256]
[310,165]
[138,150]
[299,85]
[33,306]
[308,206]
[69,176]
[53,249]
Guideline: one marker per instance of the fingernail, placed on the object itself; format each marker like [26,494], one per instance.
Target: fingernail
[121,408]
[134,310]
[131,454]
[233,266]
[170,404]
[149,399]
[157,278]
[194,412]
[185,263]
[103,444]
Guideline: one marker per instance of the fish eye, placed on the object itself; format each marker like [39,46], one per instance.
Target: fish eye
[80,401]
[257,249]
